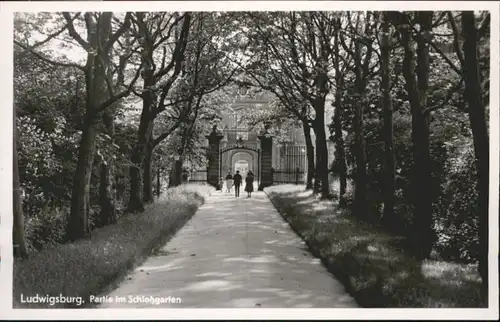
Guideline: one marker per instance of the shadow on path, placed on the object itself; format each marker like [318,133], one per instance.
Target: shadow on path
[234,253]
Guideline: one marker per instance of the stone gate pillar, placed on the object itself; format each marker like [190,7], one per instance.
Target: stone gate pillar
[213,156]
[266,160]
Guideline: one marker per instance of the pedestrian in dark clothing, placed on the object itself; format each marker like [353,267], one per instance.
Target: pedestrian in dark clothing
[237,179]
[229,182]
[249,184]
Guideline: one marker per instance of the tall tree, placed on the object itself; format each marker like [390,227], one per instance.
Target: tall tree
[290,101]
[98,45]
[297,50]
[476,96]
[388,132]
[422,237]
[155,32]
[107,187]
[340,158]
[186,138]
[362,72]
[477,115]
[314,23]
[208,66]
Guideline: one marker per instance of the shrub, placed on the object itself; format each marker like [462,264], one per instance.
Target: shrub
[457,222]
[452,184]
[45,229]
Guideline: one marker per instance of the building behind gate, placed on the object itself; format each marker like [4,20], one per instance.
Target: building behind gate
[241,148]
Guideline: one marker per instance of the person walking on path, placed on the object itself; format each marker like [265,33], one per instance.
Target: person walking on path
[249,184]
[229,181]
[221,184]
[237,179]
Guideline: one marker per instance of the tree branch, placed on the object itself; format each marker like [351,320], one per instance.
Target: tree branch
[287,102]
[344,45]
[50,37]
[440,52]
[456,42]
[169,32]
[178,55]
[120,95]
[49,61]
[124,27]
[166,134]
[439,19]
[72,32]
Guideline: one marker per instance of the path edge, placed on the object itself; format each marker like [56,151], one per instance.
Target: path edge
[115,281]
[337,273]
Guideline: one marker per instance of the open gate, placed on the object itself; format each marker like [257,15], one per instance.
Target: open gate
[255,152]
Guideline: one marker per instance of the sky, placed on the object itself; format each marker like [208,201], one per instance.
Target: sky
[73,52]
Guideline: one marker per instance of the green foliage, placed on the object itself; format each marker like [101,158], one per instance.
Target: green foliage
[449,133]
[41,167]
[275,115]
[457,221]
[49,110]
[453,178]
[46,229]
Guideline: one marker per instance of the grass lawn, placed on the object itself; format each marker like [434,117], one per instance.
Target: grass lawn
[374,270]
[92,266]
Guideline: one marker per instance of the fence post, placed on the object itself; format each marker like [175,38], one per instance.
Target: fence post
[297,176]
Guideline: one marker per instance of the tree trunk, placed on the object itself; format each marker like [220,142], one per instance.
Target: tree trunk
[360,177]
[107,194]
[78,223]
[158,182]
[18,240]
[176,174]
[310,154]
[340,150]
[360,202]
[317,176]
[107,186]
[477,116]
[388,132]
[147,191]
[135,203]
[340,159]
[135,199]
[321,148]
[149,100]
[424,221]
[421,238]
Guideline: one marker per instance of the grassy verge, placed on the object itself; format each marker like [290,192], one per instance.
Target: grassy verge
[374,270]
[88,267]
